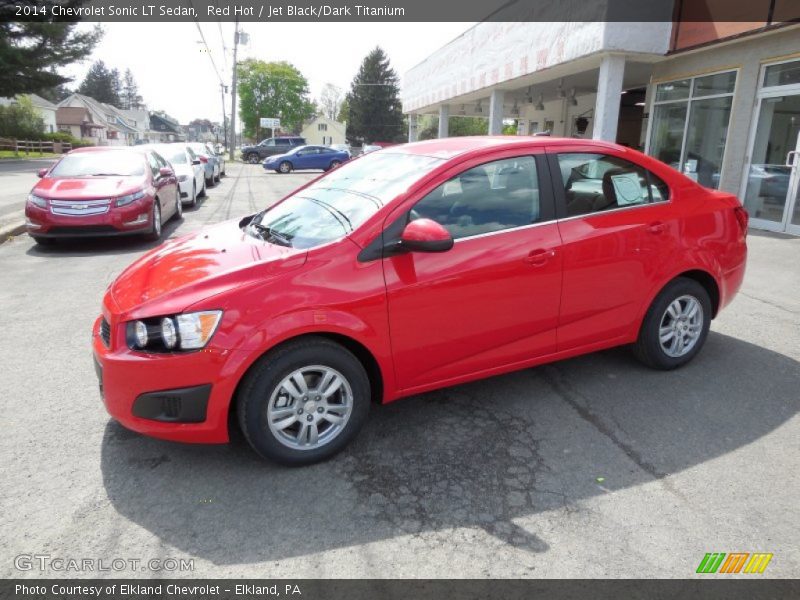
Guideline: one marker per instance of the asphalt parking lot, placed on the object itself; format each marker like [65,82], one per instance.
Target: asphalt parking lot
[591,467]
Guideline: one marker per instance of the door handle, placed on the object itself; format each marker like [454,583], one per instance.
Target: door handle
[656,228]
[790,158]
[539,256]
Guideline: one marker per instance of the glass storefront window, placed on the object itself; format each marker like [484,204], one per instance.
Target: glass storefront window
[711,85]
[782,74]
[666,136]
[696,147]
[706,133]
[673,90]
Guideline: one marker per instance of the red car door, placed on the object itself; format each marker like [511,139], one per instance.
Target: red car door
[490,301]
[619,231]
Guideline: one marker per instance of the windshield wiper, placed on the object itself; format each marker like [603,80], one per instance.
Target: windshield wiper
[267,233]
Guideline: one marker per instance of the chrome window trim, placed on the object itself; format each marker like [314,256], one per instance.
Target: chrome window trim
[613,210]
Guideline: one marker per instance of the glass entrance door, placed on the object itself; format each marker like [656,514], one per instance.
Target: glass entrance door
[771,187]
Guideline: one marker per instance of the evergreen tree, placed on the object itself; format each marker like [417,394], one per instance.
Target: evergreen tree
[102,84]
[31,52]
[373,103]
[130,91]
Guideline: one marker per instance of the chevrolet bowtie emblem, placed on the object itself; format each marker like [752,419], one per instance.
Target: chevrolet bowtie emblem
[78,206]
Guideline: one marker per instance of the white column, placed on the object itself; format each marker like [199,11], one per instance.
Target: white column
[412,127]
[444,120]
[609,88]
[496,112]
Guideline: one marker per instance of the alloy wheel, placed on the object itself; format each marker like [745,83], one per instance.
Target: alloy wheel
[680,326]
[310,407]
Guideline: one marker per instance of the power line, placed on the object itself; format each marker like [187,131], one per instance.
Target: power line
[205,43]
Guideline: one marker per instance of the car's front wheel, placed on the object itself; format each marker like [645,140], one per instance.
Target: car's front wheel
[285,167]
[155,230]
[334,164]
[304,401]
[178,205]
[676,325]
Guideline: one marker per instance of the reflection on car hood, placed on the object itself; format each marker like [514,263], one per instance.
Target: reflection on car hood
[198,266]
[87,187]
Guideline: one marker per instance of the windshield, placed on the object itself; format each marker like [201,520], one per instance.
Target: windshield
[89,164]
[342,201]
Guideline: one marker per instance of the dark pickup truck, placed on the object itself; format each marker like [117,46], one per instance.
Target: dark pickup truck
[270,147]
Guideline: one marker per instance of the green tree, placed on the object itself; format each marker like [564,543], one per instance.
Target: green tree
[275,89]
[130,91]
[21,121]
[373,102]
[428,126]
[344,112]
[102,84]
[32,52]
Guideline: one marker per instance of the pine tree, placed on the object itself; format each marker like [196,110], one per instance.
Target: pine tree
[375,113]
[102,84]
[130,91]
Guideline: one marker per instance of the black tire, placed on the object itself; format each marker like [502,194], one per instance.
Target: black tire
[265,376]
[210,182]
[285,167]
[43,241]
[155,231]
[218,178]
[178,206]
[202,193]
[648,348]
[193,203]
[253,159]
[334,164]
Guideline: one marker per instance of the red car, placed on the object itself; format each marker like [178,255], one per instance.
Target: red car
[103,192]
[414,268]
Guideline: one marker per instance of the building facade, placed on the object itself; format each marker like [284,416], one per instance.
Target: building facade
[322,131]
[718,101]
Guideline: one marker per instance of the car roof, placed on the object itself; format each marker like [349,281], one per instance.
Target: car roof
[137,149]
[455,146]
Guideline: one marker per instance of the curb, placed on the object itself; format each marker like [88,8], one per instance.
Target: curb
[11,230]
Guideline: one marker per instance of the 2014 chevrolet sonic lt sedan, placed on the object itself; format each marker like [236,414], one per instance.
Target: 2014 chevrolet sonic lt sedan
[409,269]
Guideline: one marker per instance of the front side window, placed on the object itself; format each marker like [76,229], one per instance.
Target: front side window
[499,195]
[599,182]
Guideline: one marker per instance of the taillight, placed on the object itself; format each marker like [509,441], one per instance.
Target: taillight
[742,217]
[203,159]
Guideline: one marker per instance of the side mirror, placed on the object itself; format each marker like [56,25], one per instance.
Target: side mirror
[196,161]
[42,172]
[166,172]
[425,235]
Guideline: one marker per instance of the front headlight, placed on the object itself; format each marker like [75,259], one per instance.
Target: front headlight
[189,331]
[37,200]
[123,200]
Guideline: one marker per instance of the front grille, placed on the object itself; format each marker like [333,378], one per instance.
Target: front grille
[105,332]
[79,208]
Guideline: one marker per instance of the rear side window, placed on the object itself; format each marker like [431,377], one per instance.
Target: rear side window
[599,182]
[499,195]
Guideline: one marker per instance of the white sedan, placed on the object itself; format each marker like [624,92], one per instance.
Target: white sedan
[188,169]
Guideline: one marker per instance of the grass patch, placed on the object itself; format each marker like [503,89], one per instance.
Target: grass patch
[23,156]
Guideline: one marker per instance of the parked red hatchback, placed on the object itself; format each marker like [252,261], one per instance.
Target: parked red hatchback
[414,268]
[103,192]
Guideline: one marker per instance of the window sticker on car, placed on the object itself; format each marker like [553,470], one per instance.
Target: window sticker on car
[627,188]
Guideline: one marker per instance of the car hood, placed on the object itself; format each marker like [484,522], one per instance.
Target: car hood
[276,157]
[196,267]
[59,188]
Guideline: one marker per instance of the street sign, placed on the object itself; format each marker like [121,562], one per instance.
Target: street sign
[269,122]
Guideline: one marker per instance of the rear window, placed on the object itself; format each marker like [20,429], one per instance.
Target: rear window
[98,164]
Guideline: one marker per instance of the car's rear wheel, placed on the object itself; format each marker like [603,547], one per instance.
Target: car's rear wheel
[334,164]
[252,159]
[676,325]
[285,167]
[304,401]
[155,230]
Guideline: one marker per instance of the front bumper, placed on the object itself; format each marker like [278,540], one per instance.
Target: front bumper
[121,220]
[181,397]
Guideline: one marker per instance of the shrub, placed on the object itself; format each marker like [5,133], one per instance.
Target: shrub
[20,120]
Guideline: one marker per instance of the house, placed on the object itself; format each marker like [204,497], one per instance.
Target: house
[139,119]
[322,131]
[79,123]
[46,110]
[164,128]
[110,124]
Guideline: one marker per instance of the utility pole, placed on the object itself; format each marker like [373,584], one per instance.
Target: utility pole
[232,147]
[223,89]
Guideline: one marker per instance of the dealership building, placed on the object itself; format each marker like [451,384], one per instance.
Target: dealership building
[719,101]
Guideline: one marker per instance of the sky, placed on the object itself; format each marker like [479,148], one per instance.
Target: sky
[175,73]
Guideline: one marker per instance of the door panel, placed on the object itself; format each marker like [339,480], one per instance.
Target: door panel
[489,301]
[613,254]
